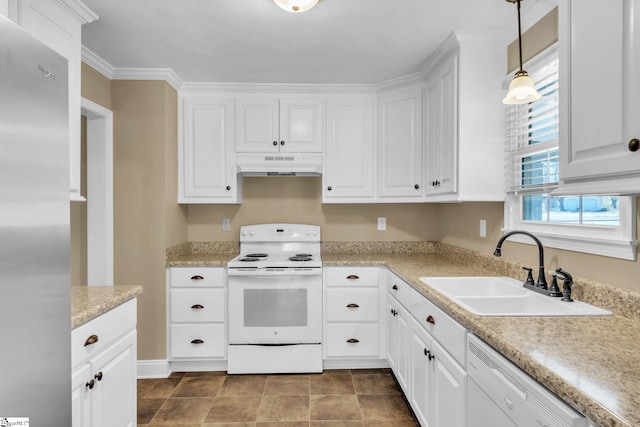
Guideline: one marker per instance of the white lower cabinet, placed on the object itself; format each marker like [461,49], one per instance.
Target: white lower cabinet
[423,348]
[196,315]
[103,385]
[352,323]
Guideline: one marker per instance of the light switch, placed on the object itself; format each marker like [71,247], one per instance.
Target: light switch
[226,224]
[382,223]
[483,228]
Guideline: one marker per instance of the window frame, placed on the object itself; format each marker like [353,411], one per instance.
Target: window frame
[603,240]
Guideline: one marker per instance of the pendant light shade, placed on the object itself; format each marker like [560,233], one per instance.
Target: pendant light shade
[296,6]
[521,89]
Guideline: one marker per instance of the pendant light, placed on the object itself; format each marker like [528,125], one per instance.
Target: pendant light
[521,89]
[296,6]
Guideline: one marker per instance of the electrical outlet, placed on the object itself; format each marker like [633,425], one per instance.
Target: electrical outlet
[483,228]
[226,224]
[382,223]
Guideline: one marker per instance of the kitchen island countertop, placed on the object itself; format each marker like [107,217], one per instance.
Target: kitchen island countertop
[590,362]
[89,302]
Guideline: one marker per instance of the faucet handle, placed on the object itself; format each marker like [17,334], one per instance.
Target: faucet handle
[567,283]
[529,280]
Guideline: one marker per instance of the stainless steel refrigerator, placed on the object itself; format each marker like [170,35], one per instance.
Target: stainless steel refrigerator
[35,291]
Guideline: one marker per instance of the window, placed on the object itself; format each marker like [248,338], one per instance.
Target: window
[603,225]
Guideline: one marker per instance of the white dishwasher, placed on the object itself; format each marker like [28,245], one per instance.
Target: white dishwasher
[501,394]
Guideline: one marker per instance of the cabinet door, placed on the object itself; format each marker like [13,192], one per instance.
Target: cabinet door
[257,125]
[114,393]
[348,170]
[398,342]
[449,390]
[421,392]
[206,156]
[301,125]
[600,88]
[81,396]
[441,128]
[400,145]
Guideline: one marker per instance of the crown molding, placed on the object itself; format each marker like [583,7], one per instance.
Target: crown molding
[78,10]
[149,74]
[97,63]
[277,88]
[400,82]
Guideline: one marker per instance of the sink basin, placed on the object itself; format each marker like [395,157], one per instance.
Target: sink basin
[504,296]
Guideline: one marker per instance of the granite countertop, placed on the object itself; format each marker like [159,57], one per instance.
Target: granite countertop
[593,363]
[89,302]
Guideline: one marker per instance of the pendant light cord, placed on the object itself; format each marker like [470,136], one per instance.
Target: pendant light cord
[519,35]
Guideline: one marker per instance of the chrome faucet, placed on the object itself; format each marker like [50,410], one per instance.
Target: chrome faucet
[541,283]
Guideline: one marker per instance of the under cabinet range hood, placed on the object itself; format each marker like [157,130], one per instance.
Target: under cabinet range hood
[279,165]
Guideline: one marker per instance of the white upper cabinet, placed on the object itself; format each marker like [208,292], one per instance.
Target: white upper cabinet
[464,123]
[600,98]
[206,167]
[265,125]
[441,129]
[399,168]
[348,161]
[58,24]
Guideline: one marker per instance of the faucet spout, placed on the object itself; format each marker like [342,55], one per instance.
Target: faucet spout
[541,283]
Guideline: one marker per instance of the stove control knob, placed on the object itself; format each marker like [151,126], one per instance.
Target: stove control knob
[244,232]
[252,233]
[307,233]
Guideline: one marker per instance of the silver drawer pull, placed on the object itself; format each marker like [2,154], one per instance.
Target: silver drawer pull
[197,307]
[197,341]
[353,277]
[353,306]
[197,277]
[353,341]
[91,340]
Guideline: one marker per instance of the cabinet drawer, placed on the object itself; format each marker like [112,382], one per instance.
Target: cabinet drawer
[352,305]
[102,331]
[197,305]
[351,276]
[400,289]
[197,276]
[352,339]
[199,340]
[449,333]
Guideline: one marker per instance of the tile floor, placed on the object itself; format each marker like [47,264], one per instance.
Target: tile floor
[335,398]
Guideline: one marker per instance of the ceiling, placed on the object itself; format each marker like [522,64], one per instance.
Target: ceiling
[254,41]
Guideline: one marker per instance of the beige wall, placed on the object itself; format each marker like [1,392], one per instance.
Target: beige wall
[540,36]
[145,121]
[298,200]
[459,226]
[95,86]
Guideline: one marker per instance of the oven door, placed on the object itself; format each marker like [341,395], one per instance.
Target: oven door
[275,309]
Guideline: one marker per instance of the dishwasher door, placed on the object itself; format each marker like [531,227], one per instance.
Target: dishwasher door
[501,394]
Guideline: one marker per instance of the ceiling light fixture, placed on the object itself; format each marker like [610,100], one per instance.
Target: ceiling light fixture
[296,6]
[521,89]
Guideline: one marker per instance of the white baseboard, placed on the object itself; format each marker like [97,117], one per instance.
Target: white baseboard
[355,363]
[153,369]
[163,368]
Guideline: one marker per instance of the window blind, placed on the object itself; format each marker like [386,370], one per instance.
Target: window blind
[531,133]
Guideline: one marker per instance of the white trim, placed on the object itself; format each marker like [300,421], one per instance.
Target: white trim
[616,242]
[97,63]
[153,369]
[355,363]
[276,88]
[78,10]
[100,193]
[149,74]
[197,365]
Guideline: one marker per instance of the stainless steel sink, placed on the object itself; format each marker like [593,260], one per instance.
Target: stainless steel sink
[504,296]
